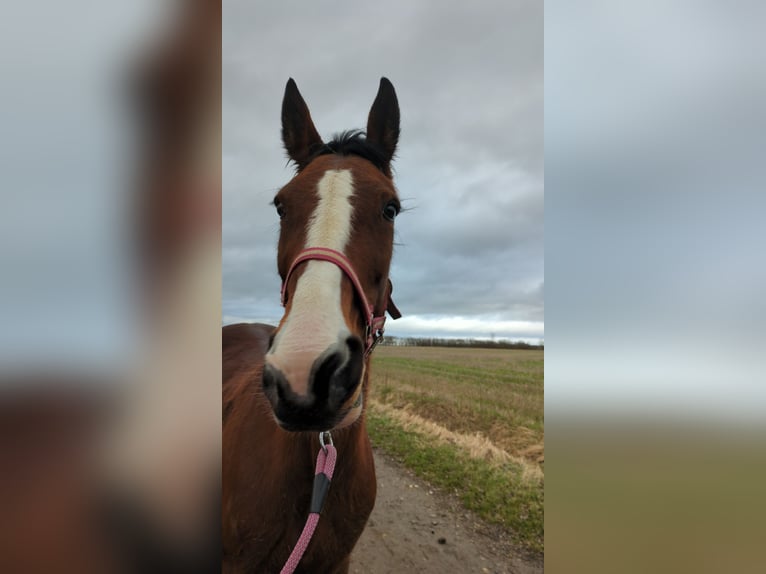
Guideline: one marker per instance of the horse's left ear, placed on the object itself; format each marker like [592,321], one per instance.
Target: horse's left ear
[383,121]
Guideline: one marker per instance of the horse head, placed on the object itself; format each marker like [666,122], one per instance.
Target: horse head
[335,247]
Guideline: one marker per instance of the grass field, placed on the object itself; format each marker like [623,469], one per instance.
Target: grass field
[470,421]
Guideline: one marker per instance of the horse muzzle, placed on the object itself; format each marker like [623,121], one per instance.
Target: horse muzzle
[321,397]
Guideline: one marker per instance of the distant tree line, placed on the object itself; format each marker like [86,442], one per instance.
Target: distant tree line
[473,343]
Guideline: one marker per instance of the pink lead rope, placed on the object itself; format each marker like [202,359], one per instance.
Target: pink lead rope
[322,477]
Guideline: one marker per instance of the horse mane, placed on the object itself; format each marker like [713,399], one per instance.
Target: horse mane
[354,142]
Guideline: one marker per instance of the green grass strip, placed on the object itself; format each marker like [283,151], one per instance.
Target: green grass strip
[497,494]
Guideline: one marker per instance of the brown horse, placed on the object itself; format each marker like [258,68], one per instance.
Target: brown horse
[283,386]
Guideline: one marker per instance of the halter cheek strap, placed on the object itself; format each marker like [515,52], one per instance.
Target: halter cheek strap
[374,324]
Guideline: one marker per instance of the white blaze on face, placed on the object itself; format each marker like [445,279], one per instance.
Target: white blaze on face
[316,319]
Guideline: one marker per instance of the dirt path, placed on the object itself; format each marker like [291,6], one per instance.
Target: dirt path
[415,529]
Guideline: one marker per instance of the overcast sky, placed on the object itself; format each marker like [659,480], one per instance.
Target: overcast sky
[469,169]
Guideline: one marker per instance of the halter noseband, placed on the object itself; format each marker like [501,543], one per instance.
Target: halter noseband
[373,324]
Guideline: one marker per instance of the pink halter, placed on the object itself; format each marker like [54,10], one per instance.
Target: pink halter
[373,324]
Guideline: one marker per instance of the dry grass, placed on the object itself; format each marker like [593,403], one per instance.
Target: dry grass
[475,445]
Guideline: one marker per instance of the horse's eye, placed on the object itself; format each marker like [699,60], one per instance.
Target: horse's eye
[391,210]
[280,208]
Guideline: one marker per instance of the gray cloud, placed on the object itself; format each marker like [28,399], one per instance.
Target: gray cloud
[470,162]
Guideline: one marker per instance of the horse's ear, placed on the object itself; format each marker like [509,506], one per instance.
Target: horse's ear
[383,121]
[299,135]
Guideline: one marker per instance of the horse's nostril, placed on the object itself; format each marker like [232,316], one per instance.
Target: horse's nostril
[323,372]
[336,375]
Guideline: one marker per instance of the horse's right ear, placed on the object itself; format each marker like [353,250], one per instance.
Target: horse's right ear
[299,135]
